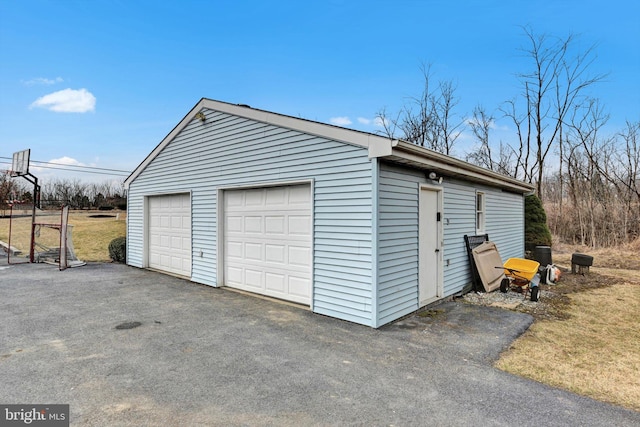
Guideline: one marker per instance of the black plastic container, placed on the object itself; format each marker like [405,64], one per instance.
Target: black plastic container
[542,254]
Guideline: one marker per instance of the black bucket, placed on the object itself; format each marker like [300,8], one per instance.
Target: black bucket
[542,254]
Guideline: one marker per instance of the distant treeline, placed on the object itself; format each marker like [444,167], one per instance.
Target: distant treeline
[59,192]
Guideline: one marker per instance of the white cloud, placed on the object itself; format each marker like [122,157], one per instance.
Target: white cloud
[59,165]
[67,161]
[67,101]
[43,81]
[340,121]
[375,122]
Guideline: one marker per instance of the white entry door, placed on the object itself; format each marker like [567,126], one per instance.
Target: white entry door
[267,241]
[430,247]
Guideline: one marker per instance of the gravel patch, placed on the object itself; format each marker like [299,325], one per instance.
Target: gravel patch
[516,301]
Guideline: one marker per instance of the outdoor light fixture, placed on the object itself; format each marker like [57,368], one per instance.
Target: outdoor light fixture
[434,177]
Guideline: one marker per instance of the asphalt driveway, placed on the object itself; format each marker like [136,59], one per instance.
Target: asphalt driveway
[207,356]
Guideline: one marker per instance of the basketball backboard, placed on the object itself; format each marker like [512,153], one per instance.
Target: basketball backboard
[20,164]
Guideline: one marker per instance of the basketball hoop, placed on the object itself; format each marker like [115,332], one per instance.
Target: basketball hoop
[20,163]
[20,167]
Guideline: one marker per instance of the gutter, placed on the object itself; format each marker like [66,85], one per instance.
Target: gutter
[406,152]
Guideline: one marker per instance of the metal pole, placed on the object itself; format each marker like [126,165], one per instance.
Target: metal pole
[33,221]
[10,224]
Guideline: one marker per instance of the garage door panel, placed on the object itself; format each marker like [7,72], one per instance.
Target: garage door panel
[299,195]
[267,234]
[274,225]
[298,286]
[275,282]
[276,196]
[253,251]
[275,253]
[299,256]
[234,224]
[254,197]
[234,275]
[233,199]
[300,224]
[253,224]
[253,278]
[234,249]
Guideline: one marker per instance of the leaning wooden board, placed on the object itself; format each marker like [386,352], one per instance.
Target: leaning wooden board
[489,265]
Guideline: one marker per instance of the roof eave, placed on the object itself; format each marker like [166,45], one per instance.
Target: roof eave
[377,146]
[408,153]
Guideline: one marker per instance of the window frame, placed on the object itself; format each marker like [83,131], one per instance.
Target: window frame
[480,212]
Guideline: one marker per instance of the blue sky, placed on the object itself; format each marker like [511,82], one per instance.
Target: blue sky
[100,83]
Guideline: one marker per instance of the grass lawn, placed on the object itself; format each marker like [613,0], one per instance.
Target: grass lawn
[588,341]
[91,234]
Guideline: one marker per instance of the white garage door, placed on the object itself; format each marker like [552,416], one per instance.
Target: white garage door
[170,233]
[267,241]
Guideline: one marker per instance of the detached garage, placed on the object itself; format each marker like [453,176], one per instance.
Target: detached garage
[351,224]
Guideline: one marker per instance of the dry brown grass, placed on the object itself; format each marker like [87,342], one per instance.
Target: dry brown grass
[588,340]
[91,236]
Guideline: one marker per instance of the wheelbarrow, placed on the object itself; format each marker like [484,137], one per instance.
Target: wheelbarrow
[521,275]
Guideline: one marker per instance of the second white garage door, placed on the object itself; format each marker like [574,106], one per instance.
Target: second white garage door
[267,241]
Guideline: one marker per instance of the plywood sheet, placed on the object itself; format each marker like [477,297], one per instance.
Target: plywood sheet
[489,265]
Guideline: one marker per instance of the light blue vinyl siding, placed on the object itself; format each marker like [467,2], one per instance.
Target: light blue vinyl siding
[504,222]
[232,151]
[397,241]
[398,234]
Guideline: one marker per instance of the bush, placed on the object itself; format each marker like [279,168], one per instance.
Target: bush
[536,231]
[118,249]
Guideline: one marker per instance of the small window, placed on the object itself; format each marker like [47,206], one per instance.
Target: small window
[479,212]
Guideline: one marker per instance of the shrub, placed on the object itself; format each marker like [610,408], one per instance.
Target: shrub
[536,231]
[118,249]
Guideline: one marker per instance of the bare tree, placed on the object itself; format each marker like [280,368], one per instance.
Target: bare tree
[480,125]
[428,120]
[447,129]
[484,154]
[556,83]
[389,126]
[629,160]
[7,191]
[522,123]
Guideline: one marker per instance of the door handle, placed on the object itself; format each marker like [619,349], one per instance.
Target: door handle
[437,250]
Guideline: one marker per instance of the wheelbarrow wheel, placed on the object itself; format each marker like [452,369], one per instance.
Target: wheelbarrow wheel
[535,293]
[504,285]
